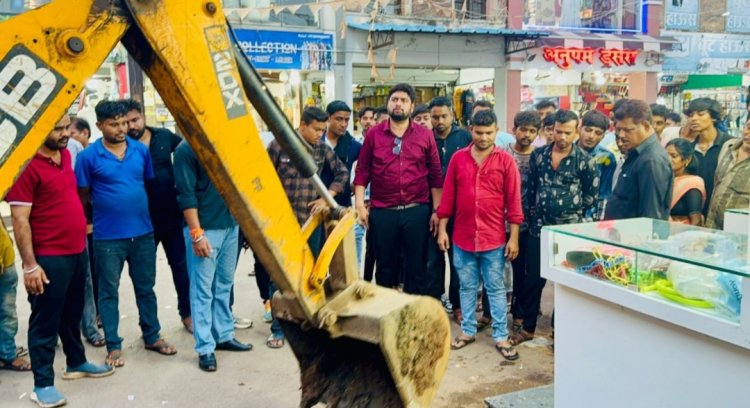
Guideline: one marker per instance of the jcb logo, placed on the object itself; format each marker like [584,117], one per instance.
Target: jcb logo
[226,73]
[26,87]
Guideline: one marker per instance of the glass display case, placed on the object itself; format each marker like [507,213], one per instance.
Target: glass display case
[653,302]
[691,267]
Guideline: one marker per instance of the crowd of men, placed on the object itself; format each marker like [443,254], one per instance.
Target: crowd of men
[424,189]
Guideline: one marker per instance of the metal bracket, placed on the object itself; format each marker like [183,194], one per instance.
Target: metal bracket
[382,39]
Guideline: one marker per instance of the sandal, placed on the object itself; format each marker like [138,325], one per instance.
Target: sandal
[520,337]
[517,325]
[100,342]
[461,342]
[509,353]
[21,351]
[16,364]
[114,359]
[274,343]
[483,323]
[162,347]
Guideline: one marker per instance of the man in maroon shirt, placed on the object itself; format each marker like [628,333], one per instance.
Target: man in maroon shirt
[482,184]
[399,160]
[50,231]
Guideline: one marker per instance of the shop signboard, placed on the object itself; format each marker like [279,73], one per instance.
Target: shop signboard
[565,57]
[287,50]
[682,15]
[738,20]
[707,53]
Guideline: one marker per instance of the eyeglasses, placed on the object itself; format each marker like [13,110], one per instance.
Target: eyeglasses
[397,147]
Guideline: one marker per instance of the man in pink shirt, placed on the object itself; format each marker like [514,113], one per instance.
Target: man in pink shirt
[481,186]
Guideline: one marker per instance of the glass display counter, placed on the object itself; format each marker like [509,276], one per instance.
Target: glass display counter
[650,310]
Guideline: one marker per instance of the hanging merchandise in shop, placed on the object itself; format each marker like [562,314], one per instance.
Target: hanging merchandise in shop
[305,51]
[563,57]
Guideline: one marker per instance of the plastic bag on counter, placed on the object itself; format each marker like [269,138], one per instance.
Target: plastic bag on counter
[722,289]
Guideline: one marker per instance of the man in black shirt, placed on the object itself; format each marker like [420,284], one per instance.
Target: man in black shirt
[166,216]
[703,115]
[449,139]
[343,144]
[644,185]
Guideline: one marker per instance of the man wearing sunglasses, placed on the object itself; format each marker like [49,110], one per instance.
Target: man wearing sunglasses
[399,159]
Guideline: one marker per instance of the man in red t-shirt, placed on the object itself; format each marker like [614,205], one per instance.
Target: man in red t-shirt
[482,190]
[50,231]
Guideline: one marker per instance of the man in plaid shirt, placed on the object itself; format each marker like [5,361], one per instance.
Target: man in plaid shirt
[301,191]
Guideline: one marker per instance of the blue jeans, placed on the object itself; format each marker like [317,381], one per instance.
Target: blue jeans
[110,257]
[211,281]
[88,322]
[8,316]
[487,266]
[359,234]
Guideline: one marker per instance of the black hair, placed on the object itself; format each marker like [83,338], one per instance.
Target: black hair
[685,149]
[705,104]
[484,118]
[441,101]
[594,118]
[419,110]
[80,124]
[109,110]
[659,110]
[616,104]
[544,104]
[674,117]
[565,116]
[337,106]
[408,89]
[483,104]
[549,120]
[527,118]
[365,110]
[132,104]
[381,110]
[634,109]
[313,114]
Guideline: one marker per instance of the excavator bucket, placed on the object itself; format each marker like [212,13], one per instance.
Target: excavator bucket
[358,344]
[392,350]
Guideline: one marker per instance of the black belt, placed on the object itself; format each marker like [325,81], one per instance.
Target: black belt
[403,207]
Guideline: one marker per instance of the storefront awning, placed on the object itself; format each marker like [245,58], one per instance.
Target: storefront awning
[618,41]
[358,24]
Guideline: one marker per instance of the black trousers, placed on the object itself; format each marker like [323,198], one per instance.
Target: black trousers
[262,280]
[369,269]
[519,273]
[92,265]
[403,235]
[173,242]
[57,312]
[533,285]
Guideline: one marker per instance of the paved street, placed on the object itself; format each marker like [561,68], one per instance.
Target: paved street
[260,378]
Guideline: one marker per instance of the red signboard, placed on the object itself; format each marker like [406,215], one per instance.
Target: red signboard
[565,57]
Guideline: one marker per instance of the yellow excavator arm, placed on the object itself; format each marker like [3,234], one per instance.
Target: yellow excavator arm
[357,344]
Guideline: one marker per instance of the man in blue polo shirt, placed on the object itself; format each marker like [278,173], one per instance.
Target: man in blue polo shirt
[111,175]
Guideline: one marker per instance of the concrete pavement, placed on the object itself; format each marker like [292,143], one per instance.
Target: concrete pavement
[259,378]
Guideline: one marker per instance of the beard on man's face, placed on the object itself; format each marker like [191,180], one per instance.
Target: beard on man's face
[57,144]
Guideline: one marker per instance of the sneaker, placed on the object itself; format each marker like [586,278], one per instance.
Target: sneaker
[446,304]
[267,317]
[88,370]
[48,397]
[242,323]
